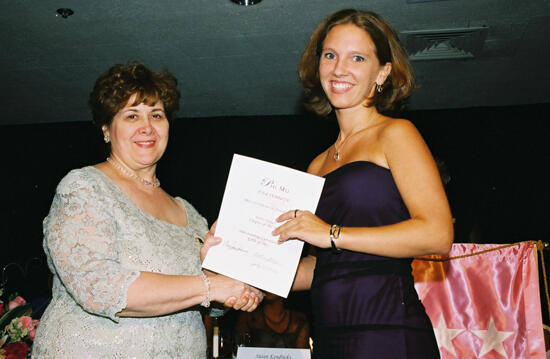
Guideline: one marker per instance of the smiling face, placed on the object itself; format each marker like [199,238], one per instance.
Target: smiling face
[349,68]
[139,134]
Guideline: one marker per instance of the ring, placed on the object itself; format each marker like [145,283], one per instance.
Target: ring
[295,212]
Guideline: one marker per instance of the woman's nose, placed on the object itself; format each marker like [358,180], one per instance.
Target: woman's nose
[340,67]
[146,129]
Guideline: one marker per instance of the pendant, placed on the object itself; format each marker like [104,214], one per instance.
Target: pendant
[148,183]
[336,156]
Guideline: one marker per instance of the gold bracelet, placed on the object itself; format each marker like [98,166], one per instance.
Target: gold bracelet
[206,302]
[335,234]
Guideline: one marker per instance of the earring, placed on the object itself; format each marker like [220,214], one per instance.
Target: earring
[106,138]
[378,88]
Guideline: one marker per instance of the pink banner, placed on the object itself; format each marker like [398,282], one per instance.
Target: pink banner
[483,301]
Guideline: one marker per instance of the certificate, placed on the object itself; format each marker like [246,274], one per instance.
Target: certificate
[256,193]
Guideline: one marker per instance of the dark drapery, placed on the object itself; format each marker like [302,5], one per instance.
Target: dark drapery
[496,159]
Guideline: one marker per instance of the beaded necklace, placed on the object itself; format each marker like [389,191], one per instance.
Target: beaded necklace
[130,173]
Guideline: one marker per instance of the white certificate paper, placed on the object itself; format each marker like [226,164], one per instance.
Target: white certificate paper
[256,193]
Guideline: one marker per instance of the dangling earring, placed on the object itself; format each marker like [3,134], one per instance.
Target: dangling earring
[106,138]
[378,88]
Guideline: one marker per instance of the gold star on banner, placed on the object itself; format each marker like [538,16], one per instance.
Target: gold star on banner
[492,339]
[444,335]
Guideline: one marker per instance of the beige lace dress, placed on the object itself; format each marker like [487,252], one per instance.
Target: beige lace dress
[97,241]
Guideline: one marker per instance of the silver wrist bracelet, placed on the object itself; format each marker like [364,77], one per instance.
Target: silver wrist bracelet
[206,302]
[335,234]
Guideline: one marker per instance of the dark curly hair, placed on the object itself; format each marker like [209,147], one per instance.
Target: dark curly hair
[113,89]
[398,86]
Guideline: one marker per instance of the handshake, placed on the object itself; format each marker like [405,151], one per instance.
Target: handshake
[231,292]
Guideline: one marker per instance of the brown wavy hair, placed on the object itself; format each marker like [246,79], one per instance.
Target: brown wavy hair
[113,89]
[398,86]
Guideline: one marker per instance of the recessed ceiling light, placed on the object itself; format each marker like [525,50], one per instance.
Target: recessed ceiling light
[65,12]
[246,2]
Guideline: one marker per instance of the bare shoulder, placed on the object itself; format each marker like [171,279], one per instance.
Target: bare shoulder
[317,163]
[398,132]
[397,127]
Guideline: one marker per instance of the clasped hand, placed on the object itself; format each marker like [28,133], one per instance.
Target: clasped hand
[232,293]
[302,225]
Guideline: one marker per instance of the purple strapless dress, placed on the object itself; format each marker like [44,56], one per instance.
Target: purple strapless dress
[365,306]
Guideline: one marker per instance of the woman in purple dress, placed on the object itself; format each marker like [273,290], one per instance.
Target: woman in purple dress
[383,202]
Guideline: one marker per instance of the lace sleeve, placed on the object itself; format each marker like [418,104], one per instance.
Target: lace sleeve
[79,238]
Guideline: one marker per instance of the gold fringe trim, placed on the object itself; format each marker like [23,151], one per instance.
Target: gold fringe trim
[436,259]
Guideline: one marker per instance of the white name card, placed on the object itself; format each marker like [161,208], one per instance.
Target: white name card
[272,353]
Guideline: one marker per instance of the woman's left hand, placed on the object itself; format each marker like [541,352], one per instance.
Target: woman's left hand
[209,241]
[303,225]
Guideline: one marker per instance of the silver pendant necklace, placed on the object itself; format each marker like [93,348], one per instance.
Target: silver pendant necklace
[130,173]
[336,155]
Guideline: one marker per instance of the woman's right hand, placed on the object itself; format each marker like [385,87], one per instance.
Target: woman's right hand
[234,293]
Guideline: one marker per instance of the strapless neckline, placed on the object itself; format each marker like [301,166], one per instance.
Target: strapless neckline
[353,164]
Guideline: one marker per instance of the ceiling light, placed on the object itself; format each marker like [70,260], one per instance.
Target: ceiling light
[64,12]
[246,2]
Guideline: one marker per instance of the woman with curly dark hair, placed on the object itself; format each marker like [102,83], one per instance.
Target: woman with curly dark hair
[124,254]
[382,204]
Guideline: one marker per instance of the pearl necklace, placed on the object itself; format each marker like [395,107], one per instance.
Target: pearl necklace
[129,173]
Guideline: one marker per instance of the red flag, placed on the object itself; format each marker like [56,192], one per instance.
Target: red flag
[483,301]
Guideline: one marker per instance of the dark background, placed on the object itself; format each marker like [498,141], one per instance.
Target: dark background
[496,159]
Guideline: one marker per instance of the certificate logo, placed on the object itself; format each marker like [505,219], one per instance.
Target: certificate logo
[271,183]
